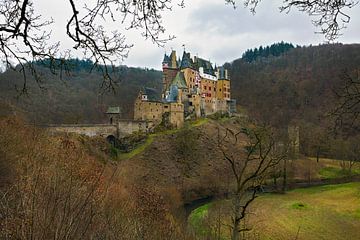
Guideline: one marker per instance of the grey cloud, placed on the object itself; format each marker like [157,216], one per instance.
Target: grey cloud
[221,19]
[215,31]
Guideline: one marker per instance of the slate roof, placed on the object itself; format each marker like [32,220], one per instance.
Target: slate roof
[179,80]
[206,65]
[152,94]
[166,59]
[186,61]
[113,110]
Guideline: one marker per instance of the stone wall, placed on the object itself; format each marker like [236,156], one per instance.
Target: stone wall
[153,111]
[120,129]
[222,106]
[176,114]
[127,127]
[90,130]
[147,110]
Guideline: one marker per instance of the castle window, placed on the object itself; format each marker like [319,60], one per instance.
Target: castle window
[220,89]
[204,87]
[153,116]
[209,88]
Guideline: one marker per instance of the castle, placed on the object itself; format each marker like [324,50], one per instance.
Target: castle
[192,88]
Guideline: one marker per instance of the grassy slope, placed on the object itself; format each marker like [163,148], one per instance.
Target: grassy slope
[150,139]
[196,217]
[324,169]
[328,212]
[195,173]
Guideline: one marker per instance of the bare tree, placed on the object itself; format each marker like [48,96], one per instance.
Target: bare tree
[347,152]
[250,166]
[346,114]
[25,38]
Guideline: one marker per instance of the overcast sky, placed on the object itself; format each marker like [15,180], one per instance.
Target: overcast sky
[215,31]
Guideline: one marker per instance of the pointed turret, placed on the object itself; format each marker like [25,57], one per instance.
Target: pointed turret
[173,63]
[166,62]
[186,61]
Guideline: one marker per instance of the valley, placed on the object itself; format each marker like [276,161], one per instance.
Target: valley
[281,165]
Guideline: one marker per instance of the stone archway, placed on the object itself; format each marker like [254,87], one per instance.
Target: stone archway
[112,140]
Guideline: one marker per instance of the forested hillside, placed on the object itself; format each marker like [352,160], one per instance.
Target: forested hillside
[275,49]
[77,97]
[282,84]
[298,85]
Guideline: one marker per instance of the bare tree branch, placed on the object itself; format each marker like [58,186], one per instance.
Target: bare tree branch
[330,15]
[346,114]
[250,165]
[25,38]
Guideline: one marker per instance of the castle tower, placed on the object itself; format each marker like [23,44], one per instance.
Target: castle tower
[187,66]
[170,69]
[223,84]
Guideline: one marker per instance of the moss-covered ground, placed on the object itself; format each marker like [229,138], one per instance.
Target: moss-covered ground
[151,137]
[196,219]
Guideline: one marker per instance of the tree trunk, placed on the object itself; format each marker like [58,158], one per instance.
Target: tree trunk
[284,176]
[237,217]
[317,154]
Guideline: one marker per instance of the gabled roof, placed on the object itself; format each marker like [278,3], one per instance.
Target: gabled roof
[152,94]
[179,80]
[186,61]
[205,64]
[113,110]
[166,59]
